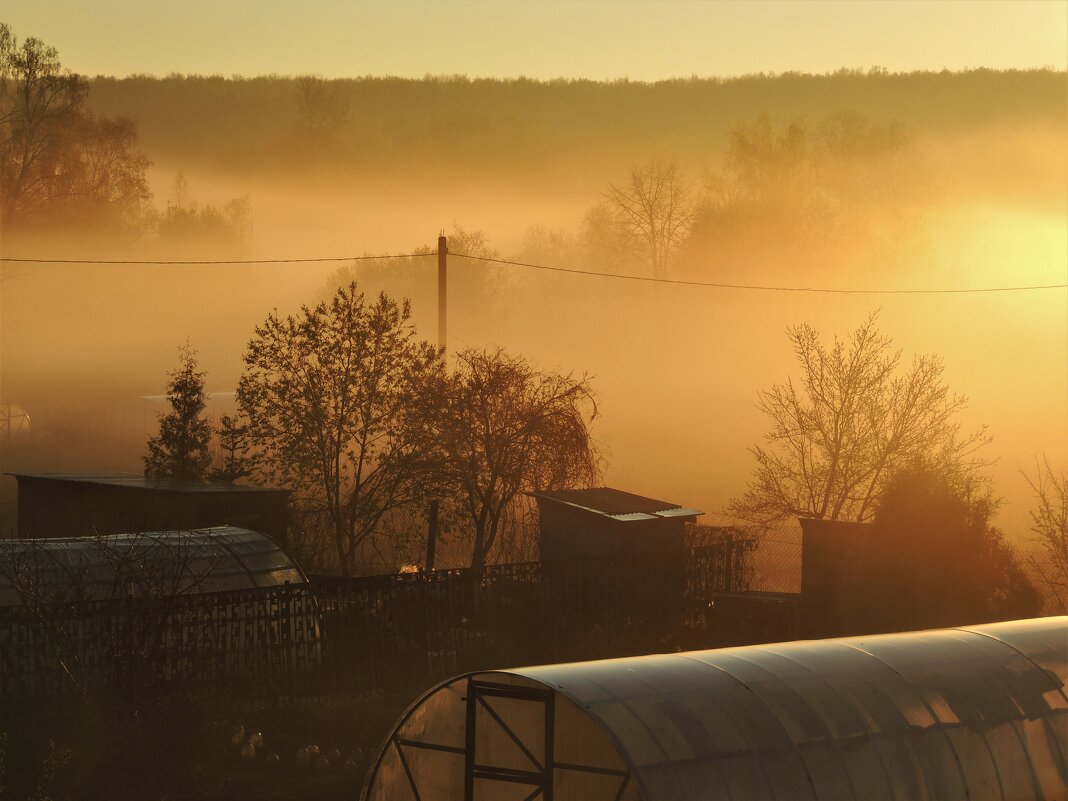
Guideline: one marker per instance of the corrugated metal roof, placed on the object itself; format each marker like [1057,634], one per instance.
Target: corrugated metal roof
[138,481]
[616,504]
[972,713]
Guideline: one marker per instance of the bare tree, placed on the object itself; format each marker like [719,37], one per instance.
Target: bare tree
[503,427]
[652,212]
[181,449]
[104,608]
[179,192]
[855,419]
[1049,524]
[328,397]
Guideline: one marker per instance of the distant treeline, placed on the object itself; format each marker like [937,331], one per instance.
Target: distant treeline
[455,123]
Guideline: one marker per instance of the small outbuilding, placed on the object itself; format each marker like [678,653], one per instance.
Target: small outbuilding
[602,521]
[953,714]
[89,504]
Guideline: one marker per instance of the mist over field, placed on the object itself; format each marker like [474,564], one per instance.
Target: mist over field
[263,482]
[847,181]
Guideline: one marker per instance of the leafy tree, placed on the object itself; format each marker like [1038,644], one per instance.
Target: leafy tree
[652,212]
[58,162]
[501,428]
[1049,524]
[938,560]
[181,449]
[329,395]
[40,101]
[854,420]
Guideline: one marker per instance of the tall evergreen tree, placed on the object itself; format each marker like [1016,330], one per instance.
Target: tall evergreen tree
[181,449]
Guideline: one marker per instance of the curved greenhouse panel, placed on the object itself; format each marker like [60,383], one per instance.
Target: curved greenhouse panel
[75,569]
[971,713]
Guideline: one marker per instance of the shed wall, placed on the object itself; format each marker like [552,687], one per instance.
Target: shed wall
[52,508]
[571,533]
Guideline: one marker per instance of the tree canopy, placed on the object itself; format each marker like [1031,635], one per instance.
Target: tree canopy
[501,427]
[328,397]
[938,560]
[58,161]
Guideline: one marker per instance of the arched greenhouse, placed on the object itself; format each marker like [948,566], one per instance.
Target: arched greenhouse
[89,612]
[194,562]
[971,713]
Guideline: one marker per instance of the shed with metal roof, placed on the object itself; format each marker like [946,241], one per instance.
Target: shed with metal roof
[602,521]
[971,713]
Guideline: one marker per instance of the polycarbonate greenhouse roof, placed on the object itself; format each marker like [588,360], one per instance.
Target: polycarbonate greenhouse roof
[123,565]
[970,713]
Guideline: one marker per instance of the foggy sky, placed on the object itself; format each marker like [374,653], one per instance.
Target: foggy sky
[593,39]
[677,372]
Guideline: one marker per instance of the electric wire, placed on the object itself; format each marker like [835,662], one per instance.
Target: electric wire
[214,261]
[569,270]
[763,287]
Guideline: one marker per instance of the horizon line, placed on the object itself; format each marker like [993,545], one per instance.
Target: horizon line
[875,71]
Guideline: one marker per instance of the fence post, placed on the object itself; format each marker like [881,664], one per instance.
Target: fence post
[586,602]
[728,564]
[425,585]
[287,634]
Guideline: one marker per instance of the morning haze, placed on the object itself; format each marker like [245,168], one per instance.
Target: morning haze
[956,180]
[661,217]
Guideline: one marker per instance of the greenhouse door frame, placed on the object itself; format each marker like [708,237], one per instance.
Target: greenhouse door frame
[540,781]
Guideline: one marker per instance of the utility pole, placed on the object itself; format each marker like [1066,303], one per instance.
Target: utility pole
[443,280]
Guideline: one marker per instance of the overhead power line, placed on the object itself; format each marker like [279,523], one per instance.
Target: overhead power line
[569,270]
[762,287]
[215,261]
